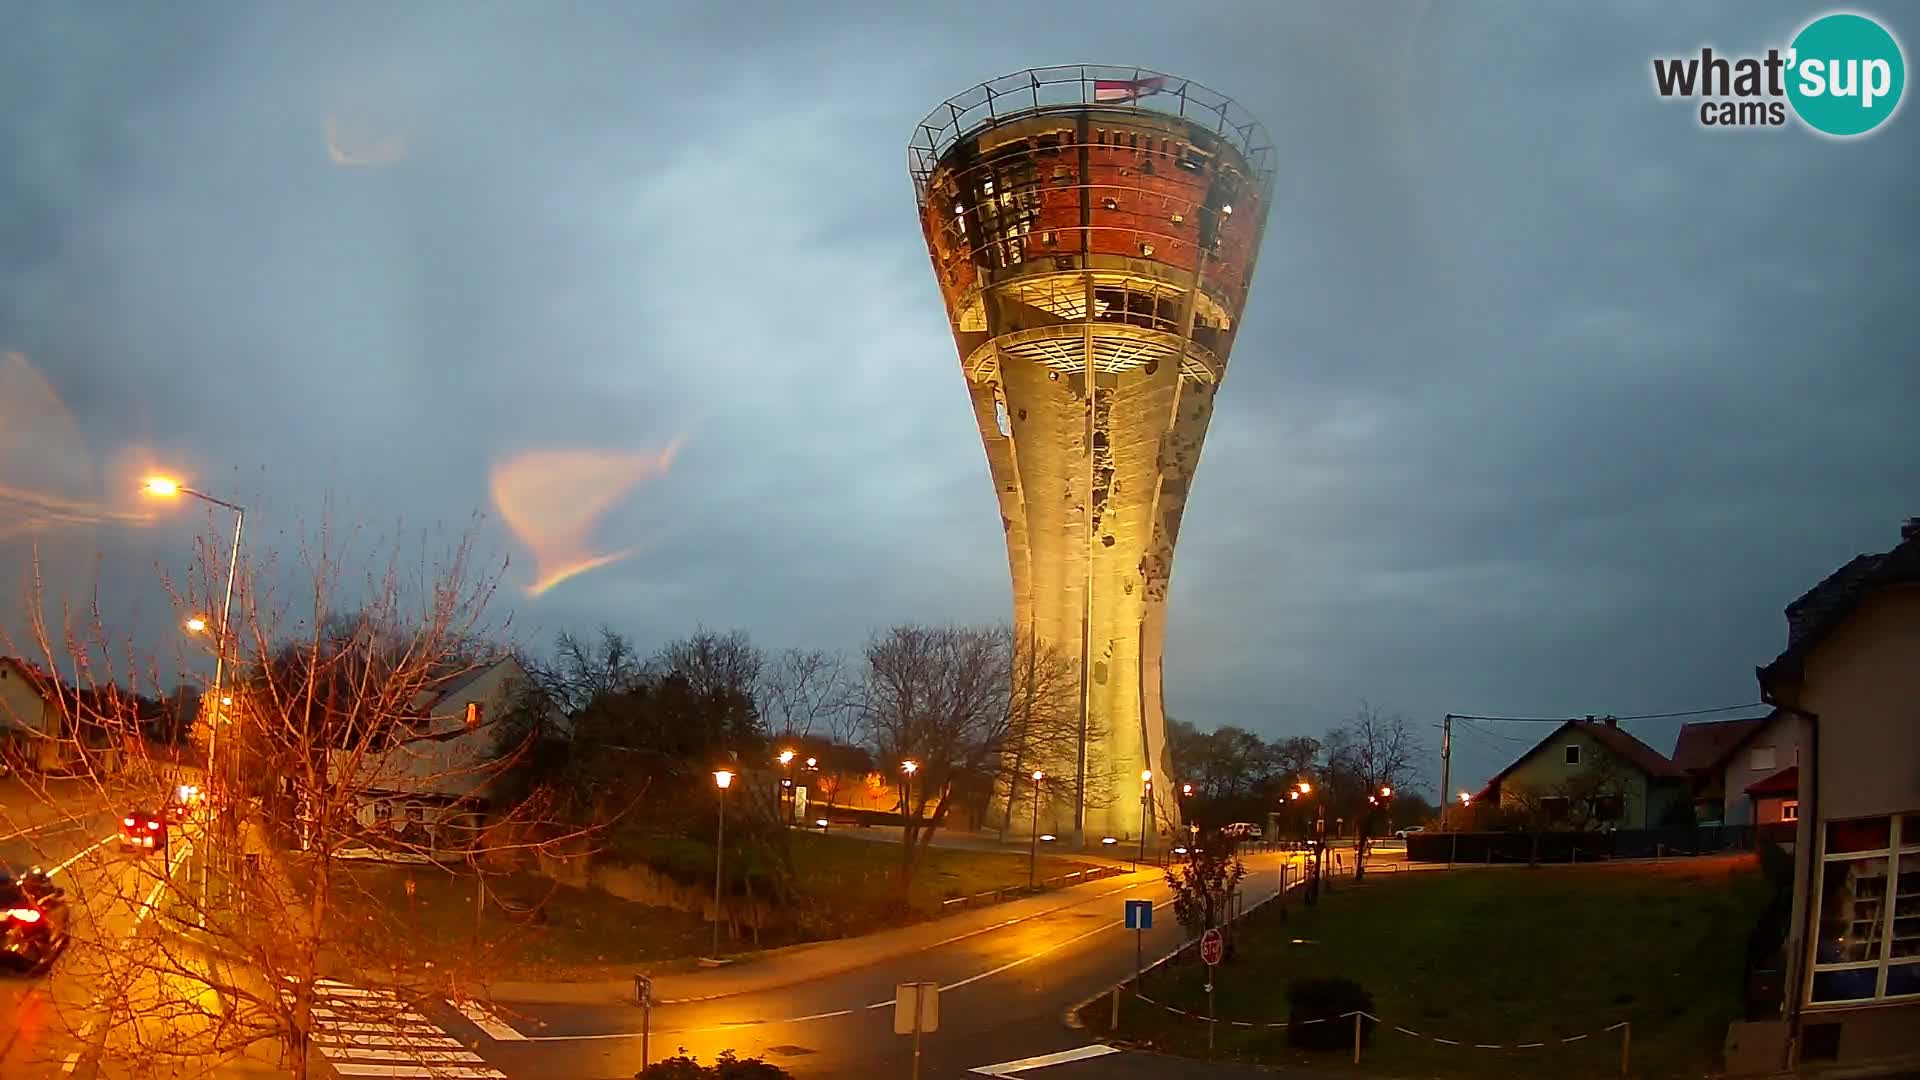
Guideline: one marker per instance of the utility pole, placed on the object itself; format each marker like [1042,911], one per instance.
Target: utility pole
[1446,762]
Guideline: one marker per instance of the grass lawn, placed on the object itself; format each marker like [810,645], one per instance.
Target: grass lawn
[1489,956]
[849,888]
[585,933]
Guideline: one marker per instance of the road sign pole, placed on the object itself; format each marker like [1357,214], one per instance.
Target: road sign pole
[1140,955]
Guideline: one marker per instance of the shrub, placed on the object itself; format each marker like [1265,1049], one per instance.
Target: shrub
[724,1067]
[1328,1001]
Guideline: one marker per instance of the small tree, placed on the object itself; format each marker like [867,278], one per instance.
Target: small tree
[1369,757]
[1204,885]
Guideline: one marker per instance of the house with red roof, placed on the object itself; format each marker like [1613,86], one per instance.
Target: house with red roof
[1741,771]
[1591,774]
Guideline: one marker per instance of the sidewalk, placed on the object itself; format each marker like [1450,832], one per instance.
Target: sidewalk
[820,959]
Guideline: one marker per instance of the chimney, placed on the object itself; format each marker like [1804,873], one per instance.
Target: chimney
[1909,529]
[1613,721]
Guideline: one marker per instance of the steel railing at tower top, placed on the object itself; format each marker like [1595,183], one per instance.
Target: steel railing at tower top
[1069,88]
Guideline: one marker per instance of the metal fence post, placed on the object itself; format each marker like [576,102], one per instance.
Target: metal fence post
[1626,1045]
[1356,1038]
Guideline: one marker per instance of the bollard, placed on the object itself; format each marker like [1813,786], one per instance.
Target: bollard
[1114,1023]
[1356,1038]
[1626,1045]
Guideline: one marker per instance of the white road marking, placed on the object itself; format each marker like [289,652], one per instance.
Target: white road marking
[351,1031]
[1009,1068]
[83,852]
[487,1021]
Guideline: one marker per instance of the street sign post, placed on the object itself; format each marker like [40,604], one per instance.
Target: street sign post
[1139,920]
[916,1009]
[643,997]
[1211,949]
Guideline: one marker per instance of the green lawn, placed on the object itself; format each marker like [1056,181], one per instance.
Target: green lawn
[1490,956]
[848,886]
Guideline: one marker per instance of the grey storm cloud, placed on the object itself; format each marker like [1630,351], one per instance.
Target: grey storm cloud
[1547,399]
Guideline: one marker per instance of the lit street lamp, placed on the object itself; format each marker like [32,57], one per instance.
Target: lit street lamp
[196,625]
[1033,853]
[722,779]
[162,487]
[793,794]
[1146,807]
[907,816]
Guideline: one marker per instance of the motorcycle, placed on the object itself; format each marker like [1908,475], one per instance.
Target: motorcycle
[33,919]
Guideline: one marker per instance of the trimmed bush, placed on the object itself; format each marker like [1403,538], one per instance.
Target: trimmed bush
[724,1067]
[1328,1001]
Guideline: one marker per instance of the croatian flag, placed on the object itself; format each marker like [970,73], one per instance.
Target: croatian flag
[1127,89]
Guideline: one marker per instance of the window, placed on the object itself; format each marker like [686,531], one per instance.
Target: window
[1573,753]
[1761,759]
[472,717]
[1868,944]
[1790,810]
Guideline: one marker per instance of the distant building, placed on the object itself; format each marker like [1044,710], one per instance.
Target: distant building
[50,727]
[1850,678]
[1589,773]
[1736,768]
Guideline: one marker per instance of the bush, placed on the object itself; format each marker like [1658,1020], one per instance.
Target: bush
[1329,1001]
[725,1067]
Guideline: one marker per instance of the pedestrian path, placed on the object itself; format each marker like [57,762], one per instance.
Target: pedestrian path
[373,1033]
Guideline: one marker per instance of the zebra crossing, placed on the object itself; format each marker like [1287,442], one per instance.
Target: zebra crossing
[373,1033]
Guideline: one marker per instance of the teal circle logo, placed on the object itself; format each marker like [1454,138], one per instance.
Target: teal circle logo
[1845,74]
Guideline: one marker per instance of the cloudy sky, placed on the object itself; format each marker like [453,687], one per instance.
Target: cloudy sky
[1547,399]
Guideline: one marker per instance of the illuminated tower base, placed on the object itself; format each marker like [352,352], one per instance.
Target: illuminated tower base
[1094,231]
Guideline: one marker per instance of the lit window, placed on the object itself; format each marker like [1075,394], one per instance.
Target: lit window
[472,717]
[1000,416]
[1790,810]
[1573,753]
[1868,941]
[1761,759]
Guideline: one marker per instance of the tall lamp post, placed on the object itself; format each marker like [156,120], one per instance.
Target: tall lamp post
[1033,852]
[1146,807]
[219,799]
[793,795]
[907,767]
[722,779]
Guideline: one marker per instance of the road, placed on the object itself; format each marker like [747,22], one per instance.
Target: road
[68,830]
[1003,995]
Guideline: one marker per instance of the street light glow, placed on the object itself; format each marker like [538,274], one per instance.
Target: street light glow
[910,767]
[1465,799]
[196,625]
[1306,788]
[1386,792]
[786,757]
[161,486]
[226,699]
[722,779]
[1186,789]
[1146,776]
[813,763]
[1038,776]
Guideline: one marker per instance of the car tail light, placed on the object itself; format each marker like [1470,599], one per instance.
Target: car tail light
[24,914]
[127,821]
[154,825]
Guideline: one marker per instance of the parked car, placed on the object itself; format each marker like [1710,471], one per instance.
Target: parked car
[1411,830]
[1242,830]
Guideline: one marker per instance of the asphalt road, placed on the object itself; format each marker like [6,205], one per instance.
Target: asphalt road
[1002,997]
[70,832]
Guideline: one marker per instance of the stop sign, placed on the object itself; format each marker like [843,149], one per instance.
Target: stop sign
[1211,947]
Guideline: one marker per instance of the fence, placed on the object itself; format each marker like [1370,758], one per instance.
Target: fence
[1511,847]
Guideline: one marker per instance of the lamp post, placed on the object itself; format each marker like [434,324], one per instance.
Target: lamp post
[1033,853]
[907,817]
[162,487]
[1146,806]
[793,795]
[722,779]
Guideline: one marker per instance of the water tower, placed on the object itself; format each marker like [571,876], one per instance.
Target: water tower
[1093,231]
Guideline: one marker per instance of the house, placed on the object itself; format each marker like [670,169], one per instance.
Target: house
[1590,774]
[52,728]
[1726,760]
[1850,676]
[429,788]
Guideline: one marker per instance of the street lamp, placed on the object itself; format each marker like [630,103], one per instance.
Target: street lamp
[1033,853]
[793,794]
[722,780]
[165,488]
[907,817]
[1146,796]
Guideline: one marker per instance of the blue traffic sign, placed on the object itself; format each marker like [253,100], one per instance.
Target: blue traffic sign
[1139,914]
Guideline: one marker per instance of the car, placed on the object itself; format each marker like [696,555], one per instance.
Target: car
[1411,830]
[180,804]
[1242,830]
[33,920]
[143,830]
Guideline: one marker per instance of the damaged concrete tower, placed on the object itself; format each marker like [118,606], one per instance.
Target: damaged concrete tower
[1094,231]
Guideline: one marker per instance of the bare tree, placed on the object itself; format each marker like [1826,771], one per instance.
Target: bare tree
[358,717]
[808,688]
[1368,757]
[1588,800]
[713,663]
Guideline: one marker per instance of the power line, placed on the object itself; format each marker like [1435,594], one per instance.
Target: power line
[1595,716]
